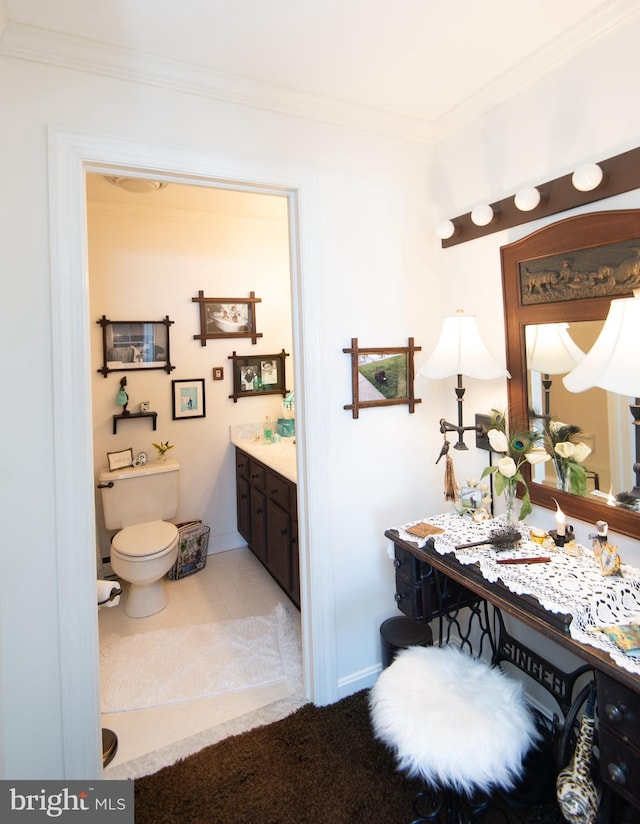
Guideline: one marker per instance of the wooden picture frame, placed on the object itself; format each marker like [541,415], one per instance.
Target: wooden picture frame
[188,399]
[134,345]
[121,459]
[227,318]
[382,376]
[258,375]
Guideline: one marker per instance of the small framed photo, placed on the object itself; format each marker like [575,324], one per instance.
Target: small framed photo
[188,398]
[120,460]
[258,375]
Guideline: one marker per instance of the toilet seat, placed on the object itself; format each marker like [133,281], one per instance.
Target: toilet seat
[141,542]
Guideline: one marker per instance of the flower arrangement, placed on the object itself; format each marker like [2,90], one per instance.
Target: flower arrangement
[515,450]
[568,455]
[162,448]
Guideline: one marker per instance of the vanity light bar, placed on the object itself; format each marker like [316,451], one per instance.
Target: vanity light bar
[619,174]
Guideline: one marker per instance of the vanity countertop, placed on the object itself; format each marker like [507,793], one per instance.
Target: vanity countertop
[281,457]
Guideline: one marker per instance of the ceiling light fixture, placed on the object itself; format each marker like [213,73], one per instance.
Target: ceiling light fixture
[137,185]
[446,229]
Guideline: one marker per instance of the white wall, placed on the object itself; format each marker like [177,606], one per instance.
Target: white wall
[148,260]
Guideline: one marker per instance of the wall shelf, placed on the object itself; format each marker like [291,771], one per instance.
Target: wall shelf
[133,415]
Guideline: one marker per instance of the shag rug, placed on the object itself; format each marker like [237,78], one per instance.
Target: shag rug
[319,765]
[169,666]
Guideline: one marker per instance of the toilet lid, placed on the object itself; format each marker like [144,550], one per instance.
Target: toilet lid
[145,539]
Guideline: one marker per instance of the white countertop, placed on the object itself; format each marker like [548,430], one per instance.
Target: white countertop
[281,457]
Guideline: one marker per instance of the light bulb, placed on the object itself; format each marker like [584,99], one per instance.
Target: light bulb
[527,199]
[587,177]
[482,215]
[445,229]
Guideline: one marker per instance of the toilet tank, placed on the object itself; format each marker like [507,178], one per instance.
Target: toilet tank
[139,494]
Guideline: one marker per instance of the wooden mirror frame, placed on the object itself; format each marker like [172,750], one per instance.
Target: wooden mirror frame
[564,237]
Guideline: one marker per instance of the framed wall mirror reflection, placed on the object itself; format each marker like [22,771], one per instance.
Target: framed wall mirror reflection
[558,284]
[134,345]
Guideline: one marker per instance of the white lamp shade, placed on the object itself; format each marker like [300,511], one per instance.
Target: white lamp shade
[612,362]
[527,199]
[460,351]
[587,177]
[482,215]
[550,349]
[445,229]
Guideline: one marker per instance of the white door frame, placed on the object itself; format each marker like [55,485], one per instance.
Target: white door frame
[71,155]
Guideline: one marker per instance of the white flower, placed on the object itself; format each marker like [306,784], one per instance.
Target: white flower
[538,454]
[507,467]
[577,452]
[498,441]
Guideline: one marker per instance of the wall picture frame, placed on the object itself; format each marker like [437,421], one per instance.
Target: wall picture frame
[255,375]
[227,318]
[381,376]
[135,345]
[188,399]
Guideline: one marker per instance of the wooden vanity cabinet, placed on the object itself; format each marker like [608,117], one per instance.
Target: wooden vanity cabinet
[268,520]
[619,737]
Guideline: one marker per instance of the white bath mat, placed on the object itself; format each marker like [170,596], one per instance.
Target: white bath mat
[170,666]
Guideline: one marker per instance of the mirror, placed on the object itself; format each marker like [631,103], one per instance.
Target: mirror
[565,275]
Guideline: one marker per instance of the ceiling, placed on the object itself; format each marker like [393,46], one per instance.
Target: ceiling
[419,60]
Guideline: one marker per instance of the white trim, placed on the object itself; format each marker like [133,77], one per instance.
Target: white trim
[70,156]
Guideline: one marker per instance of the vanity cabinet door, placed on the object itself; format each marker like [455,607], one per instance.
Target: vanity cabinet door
[243,505]
[278,541]
[258,524]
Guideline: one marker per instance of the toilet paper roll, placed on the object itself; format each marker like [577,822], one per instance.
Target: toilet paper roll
[105,591]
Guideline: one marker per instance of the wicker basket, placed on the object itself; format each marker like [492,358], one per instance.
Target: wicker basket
[193,542]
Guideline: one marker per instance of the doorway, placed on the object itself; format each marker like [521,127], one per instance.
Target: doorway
[71,156]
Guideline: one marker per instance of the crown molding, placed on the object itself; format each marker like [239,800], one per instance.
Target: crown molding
[52,48]
[559,51]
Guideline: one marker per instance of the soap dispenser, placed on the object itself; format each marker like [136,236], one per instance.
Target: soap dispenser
[267,432]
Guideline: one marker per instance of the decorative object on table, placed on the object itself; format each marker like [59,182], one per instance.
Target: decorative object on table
[258,375]
[538,536]
[140,459]
[145,406]
[162,448]
[515,451]
[227,318]
[461,351]
[188,398]
[568,455]
[563,533]
[122,399]
[609,560]
[120,460]
[599,538]
[424,530]
[506,537]
[129,345]
[625,636]
[381,376]
[474,499]
[578,797]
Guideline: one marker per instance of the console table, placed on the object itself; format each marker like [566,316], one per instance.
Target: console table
[436,581]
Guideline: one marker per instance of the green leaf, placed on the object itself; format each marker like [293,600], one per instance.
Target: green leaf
[488,470]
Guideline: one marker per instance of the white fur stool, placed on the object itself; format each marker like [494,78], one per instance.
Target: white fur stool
[461,726]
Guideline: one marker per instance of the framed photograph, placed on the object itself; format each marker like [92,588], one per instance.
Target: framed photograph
[227,318]
[258,375]
[135,344]
[382,376]
[120,460]
[188,399]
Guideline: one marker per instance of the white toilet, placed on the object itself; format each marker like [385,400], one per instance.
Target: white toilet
[137,501]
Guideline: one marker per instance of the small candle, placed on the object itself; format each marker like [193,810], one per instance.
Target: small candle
[561,524]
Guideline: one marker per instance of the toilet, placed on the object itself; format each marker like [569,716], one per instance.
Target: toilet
[137,501]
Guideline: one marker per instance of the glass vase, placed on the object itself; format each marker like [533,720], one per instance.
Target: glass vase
[512,503]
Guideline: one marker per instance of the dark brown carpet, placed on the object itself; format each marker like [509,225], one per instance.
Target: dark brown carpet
[320,765]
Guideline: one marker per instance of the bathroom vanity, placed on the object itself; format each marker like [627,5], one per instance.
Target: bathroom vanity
[266,498]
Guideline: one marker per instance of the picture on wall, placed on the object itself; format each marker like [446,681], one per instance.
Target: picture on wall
[188,398]
[381,376]
[258,375]
[227,318]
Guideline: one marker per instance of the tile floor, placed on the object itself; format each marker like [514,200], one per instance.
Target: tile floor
[232,585]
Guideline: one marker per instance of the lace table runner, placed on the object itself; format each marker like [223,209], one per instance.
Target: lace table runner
[568,584]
